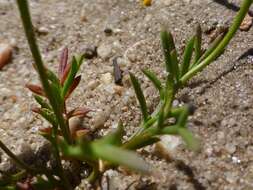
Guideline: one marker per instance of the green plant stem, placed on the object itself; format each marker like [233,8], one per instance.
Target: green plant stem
[16,159]
[94,174]
[27,23]
[56,153]
[22,164]
[220,48]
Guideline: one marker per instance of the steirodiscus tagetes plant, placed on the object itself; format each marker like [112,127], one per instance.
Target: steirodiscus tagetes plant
[99,154]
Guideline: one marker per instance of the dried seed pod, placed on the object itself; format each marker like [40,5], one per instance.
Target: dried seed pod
[117,72]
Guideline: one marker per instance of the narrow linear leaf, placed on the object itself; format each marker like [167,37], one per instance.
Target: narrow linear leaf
[79,60]
[170,130]
[168,95]
[53,78]
[167,45]
[156,82]
[42,102]
[113,138]
[81,151]
[140,97]
[81,112]
[48,115]
[75,83]
[65,74]
[174,62]
[182,119]
[56,91]
[176,111]
[191,142]
[197,43]
[210,49]
[75,65]
[70,78]
[63,62]
[119,156]
[161,118]
[36,89]
[187,56]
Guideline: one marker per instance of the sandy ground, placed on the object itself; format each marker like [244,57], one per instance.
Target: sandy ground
[222,93]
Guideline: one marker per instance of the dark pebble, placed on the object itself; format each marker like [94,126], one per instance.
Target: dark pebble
[90,52]
[108,31]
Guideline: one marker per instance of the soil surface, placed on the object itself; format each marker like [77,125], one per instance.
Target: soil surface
[126,31]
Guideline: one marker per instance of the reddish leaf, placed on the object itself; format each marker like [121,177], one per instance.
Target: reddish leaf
[63,62]
[36,110]
[65,74]
[81,112]
[73,86]
[36,89]
[47,130]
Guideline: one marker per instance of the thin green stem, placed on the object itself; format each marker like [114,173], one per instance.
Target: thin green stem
[94,174]
[23,165]
[16,159]
[220,48]
[27,23]
[65,183]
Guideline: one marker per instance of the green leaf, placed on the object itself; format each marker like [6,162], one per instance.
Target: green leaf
[56,91]
[140,97]
[170,130]
[140,141]
[168,45]
[156,82]
[53,78]
[187,56]
[71,76]
[161,118]
[210,49]
[42,102]
[120,156]
[182,119]
[168,95]
[176,111]
[81,151]
[174,62]
[79,60]
[191,142]
[197,43]
[49,116]
[113,138]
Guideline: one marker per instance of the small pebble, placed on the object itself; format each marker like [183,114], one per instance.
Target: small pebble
[230,148]
[92,84]
[101,118]
[118,90]
[108,31]
[90,52]
[43,31]
[246,23]
[106,78]
[104,51]
[5,54]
